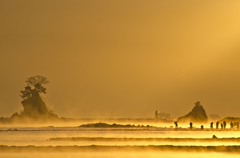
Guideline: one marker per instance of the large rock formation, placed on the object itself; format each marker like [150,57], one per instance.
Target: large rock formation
[197,115]
[35,108]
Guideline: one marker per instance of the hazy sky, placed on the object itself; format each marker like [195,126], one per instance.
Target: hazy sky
[122,58]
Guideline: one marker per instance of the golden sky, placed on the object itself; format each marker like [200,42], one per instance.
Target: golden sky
[122,58]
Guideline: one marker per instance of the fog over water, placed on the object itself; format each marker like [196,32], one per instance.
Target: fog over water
[121,155]
[24,137]
[41,136]
[119,61]
[122,58]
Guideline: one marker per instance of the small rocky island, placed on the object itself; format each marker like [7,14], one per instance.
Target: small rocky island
[197,115]
[34,107]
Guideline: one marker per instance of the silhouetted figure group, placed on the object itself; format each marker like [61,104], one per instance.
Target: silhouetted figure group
[211,125]
[223,125]
[235,124]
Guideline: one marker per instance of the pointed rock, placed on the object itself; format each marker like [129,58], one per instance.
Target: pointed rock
[197,115]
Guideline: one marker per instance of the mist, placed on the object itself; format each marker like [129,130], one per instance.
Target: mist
[122,78]
[120,154]
[122,58]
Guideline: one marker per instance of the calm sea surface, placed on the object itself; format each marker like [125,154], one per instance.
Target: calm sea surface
[39,136]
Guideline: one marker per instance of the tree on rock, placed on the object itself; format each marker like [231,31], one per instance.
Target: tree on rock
[33,105]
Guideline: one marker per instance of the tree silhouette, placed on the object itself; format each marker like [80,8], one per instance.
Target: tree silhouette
[34,85]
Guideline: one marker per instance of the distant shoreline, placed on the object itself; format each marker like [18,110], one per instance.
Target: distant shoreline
[147,139]
[98,148]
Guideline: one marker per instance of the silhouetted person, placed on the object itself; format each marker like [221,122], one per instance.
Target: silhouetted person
[190,125]
[231,125]
[224,124]
[156,114]
[202,127]
[221,126]
[176,124]
[211,125]
[217,125]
